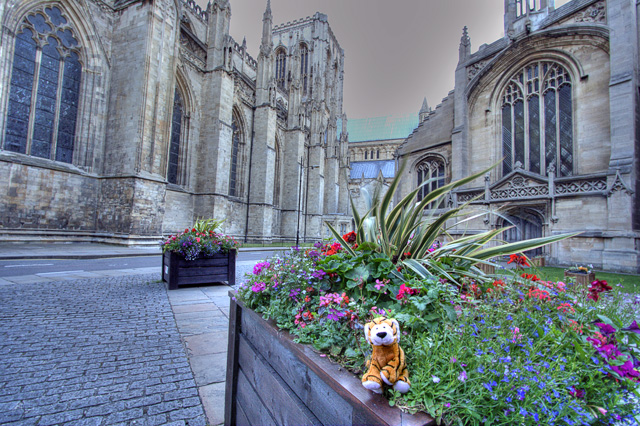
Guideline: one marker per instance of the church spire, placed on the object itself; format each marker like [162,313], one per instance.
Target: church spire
[424,111]
[465,45]
[267,42]
[425,106]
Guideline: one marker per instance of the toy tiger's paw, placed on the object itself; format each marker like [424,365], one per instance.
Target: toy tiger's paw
[372,386]
[402,387]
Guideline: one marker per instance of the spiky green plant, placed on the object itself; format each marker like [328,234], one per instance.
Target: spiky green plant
[207,225]
[406,232]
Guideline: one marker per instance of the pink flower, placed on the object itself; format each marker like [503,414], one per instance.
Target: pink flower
[258,287]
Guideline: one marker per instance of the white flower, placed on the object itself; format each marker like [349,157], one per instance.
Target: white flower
[435,379]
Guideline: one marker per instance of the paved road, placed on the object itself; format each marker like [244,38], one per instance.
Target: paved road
[101,341]
[94,352]
[57,267]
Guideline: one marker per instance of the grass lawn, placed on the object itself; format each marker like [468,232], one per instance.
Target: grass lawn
[631,283]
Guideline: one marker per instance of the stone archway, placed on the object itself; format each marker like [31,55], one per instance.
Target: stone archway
[526,224]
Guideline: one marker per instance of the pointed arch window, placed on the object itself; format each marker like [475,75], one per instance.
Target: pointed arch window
[432,171]
[304,67]
[236,141]
[281,68]
[44,90]
[174,171]
[537,120]
[276,186]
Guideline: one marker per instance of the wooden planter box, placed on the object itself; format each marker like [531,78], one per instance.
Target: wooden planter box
[177,271]
[538,262]
[582,279]
[273,381]
[487,269]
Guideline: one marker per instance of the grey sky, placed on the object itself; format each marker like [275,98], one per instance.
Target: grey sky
[396,52]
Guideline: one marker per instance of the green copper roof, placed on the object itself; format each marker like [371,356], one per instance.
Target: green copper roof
[381,128]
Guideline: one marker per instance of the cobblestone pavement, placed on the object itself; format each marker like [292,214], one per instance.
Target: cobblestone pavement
[93,352]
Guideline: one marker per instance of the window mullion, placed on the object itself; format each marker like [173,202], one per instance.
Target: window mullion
[56,114]
[558,149]
[543,141]
[34,96]
[525,107]
[513,136]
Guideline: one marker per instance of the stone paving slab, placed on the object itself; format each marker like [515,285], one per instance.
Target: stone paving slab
[95,352]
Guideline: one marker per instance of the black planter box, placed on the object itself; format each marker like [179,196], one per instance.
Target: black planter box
[177,271]
[273,381]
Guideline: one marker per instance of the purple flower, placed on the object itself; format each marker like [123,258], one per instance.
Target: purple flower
[447,405]
[462,376]
[633,328]
[319,274]
[294,293]
[258,287]
[606,329]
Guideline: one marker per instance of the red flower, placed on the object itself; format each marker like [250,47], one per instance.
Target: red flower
[406,291]
[530,277]
[518,259]
[349,237]
[596,288]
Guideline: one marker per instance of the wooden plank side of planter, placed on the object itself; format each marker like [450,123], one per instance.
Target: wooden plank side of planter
[325,404]
[251,404]
[217,260]
[332,394]
[204,279]
[203,271]
[285,407]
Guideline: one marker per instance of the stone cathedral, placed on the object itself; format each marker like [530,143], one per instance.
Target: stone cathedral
[122,120]
[555,104]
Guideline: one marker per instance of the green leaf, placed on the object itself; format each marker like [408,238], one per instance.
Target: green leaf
[360,272]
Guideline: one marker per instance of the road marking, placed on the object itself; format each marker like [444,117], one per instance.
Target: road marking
[59,273]
[31,264]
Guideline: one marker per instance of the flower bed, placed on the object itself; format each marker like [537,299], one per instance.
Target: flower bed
[272,380]
[509,349]
[512,350]
[199,255]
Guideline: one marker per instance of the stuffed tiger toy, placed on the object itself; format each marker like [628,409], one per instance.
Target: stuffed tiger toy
[387,364]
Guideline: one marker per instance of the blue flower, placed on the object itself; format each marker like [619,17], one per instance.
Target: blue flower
[481,369]
[523,412]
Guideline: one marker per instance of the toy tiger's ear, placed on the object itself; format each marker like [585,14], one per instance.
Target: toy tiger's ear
[366,333]
[397,329]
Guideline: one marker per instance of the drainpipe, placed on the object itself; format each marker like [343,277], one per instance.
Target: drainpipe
[253,134]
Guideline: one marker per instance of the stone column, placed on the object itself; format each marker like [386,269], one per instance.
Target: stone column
[623,215]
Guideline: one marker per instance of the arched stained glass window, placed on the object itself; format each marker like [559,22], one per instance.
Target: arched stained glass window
[175,141]
[304,67]
[537,120]
[235,157]
[44,88]
[281,68]
[277,179]
[432,171]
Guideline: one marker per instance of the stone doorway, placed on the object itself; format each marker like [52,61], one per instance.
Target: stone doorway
[527,224]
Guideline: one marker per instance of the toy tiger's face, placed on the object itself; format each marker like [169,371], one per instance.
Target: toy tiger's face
[382,332]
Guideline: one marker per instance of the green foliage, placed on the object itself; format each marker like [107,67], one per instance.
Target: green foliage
[207,225]
[410,231]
